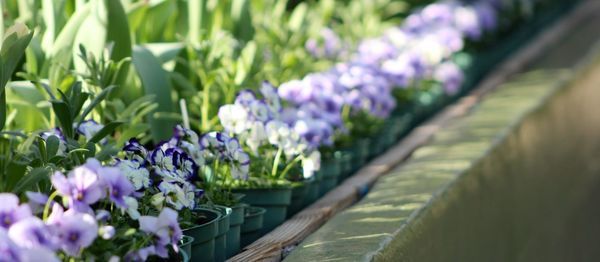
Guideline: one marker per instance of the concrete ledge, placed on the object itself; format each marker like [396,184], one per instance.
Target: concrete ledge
[515,180]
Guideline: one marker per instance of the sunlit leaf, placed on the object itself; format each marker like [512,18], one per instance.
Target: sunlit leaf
[155,82]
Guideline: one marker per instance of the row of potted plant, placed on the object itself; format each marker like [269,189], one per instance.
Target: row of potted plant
[241,161]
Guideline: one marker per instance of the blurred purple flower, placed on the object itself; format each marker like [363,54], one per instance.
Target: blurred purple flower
[75,231]
[10,210]
[82,187]
[9,251]
[117,184]
[166,229]
[450,76]
[31,232]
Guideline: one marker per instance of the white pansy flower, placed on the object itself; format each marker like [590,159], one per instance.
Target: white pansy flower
[256,136]
[311,164]
[240,166]
[259,111]
[135,172]
[234,118]
[278,132]
[88,128]
[271,96]
[132,207]
[158,200]
[178,197]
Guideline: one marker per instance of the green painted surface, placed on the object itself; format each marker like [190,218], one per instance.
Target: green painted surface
[518,179]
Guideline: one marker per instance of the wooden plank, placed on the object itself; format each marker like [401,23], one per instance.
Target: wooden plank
[272,246]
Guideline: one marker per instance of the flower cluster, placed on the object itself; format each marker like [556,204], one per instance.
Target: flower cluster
[419,50]
[261,122]
[217,147]
[168,169]
[72,228]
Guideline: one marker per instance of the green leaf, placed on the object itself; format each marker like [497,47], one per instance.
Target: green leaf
[197,19]
[61,53]
[92,34]
[16,172]
[165,52]
[105,131]
[63,113]
[52,146]
[13,48]
[107,152]
[51,13]
[99,98]
[30,180]
[131,132]
[25,97]
[2,110]
[242,20]
[297,18]
[246,63]
[157,20]
[136,14]
[118,30]
[91,147]
[136,105]
[77,99]
[41,145]
[155,81]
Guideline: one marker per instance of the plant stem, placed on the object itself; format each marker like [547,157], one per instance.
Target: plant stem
[205,106]
[290,165]
[276,162]
[47,206]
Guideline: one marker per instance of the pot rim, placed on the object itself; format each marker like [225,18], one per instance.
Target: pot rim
[254,211]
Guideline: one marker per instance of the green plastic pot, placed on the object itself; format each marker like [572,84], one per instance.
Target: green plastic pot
[235,223]
[299,192]
[204,234]
[275,200]
[360,153]
[185,245]
[222,229]
[313,187]
[185,257]
[253,223]
[330,175]
[344,159]
[388,135]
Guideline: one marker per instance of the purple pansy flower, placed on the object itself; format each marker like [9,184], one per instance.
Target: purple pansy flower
[10,210]
[450,76]
[133,146]
[9,251]
[117,184]
[166,229]
[31,232]
[82,186]
[74,230]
